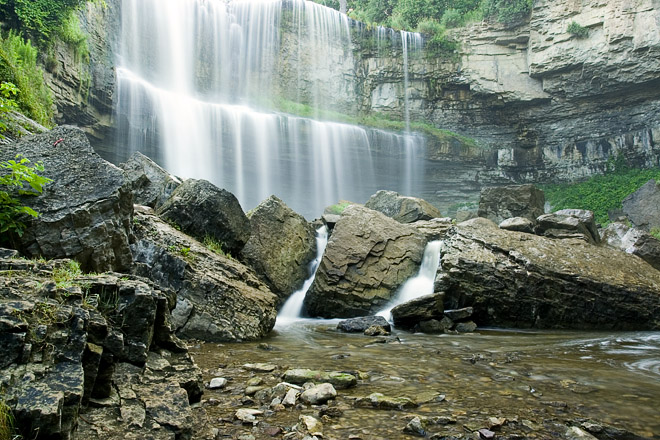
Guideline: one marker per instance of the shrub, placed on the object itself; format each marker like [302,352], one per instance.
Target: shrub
[7,105]
[18,65]
[452,18]
[13,184]
[430,26]
[656,233]
[38,19]
[509,12]
[577,30]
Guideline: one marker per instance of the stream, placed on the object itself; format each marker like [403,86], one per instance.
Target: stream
[538,381]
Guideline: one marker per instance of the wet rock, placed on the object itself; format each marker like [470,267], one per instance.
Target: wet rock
[367,258]
[151,185]
[376,330]
[459,314]
[523,280]
[500,203]
[260,367]
[291,397]
[633,241]
[381,401]
[575,433]
[465,327]
[310,425]
[486,434]
[218,298]
[280,247]
[416,427]
[361,324]
[519,224]
[217,383]
[563,226]
[319,394]
[433,326]
[401,208]
[424,308]
[201,209]
[434,229]
[167,404]
[85,211]
[643,206]
[337,379]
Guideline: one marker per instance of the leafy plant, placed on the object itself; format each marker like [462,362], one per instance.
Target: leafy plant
[577,30]
[508,12]
[64,275]
[655,232]
[20,173]
[7,105]
[8,430]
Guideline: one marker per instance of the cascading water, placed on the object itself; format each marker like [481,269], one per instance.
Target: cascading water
[292,308]
[422,283]
[196,79]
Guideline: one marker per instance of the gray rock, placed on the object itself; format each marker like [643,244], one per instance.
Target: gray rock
[459,314]
[524,280]
[463,215]
[416,427]
[319,394]
[519,224]
[361,324]
[585,217]
[217,383]
[465,327]
[381,401]
[337,379]
[377,330]
[151,184]
[633,241]
[367,258]
[248,415]
[563,226]
[424,308]
[433,326]
[500,203]
[228,301]
[85,211]
[435,229]
[643,206]
[401,208]
[280,247]
[202,209]
[310,426]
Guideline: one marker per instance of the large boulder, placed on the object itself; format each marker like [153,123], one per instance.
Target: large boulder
[633,241]
[218,298]
[281,246]
[151,184]
[367,258]
[643,206]
[401,208]
[86,209]
[523,280]
[424,308]
[202,209]
[503,202]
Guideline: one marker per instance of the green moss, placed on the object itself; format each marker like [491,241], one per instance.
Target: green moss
[577,30]
[656,233]
[66,274]
[338,208]
[600,194]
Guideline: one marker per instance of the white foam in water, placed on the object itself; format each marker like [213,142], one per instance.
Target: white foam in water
[422,283]
[292,308]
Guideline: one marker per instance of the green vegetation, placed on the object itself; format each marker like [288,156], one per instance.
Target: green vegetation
[7,105]
[7,423]
[656,233]
[13,183]
[64,275]
[216,246]
[18,66]
[412,14]
[338,208]
[577,30]
[600,194]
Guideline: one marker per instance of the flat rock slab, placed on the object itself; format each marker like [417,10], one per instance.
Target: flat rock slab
[361,324]
[337,379]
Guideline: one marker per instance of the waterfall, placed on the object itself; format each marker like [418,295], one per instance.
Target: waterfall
[422,283]
[292,308]
[197,82]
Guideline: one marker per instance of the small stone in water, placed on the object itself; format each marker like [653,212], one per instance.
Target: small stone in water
[264,346]
[290,398]
[496,423]
[217,383]
[260,368]
[247,415]
[416,427]
[254,381]
[486,434]
[376,330]
[319,394]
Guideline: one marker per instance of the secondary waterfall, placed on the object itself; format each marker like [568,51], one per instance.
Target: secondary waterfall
[200,83]
[422,283]
[292,308]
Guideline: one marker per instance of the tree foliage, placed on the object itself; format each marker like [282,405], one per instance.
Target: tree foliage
[39,20]
[19,178]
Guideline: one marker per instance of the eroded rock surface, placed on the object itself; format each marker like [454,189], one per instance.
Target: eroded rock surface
[500,203]
[151,185]
[523,280]
[367,258]
[402,208]
[643,206]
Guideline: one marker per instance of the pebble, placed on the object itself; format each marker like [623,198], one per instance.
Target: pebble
[248,415]
[260,368]
[319,394]
[217,383]
[486,434]
[416,427]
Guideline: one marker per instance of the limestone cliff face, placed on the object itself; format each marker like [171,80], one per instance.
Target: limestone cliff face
[542,104]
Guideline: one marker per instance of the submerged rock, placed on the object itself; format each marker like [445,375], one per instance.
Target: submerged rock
[424,308]
[503,202]
[402,208]
[218,298]
[281,246]
[381,401]
[318,394]
[523,280]
[337,379]
[85,212]
[202,209]
[151,184]
[367,258]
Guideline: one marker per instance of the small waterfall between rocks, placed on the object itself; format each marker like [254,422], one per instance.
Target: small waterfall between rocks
[292,308]
[422,283]
[204,87]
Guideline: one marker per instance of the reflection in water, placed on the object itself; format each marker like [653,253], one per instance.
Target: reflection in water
[531,377]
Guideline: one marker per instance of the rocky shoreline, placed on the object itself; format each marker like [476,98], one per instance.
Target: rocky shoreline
[125,263]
